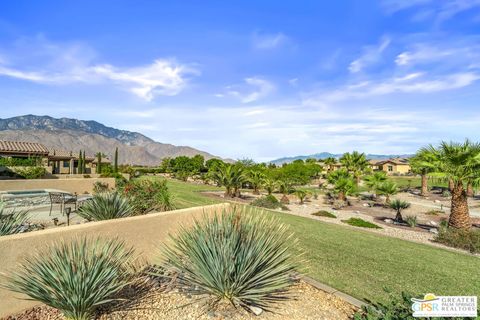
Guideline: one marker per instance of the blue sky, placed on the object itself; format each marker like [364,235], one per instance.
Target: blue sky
[259,79]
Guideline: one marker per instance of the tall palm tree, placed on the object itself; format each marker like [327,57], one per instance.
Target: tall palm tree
[387,189]
[460,164]
[374,180]
[256,179]
[356,163]
[423,163]
[399,205]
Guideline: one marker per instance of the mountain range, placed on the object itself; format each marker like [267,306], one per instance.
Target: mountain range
[324,155]
[74,135]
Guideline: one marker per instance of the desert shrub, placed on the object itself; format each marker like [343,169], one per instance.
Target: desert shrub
[75,277]
[434,212]
[268,201]
[339,204]
[463,239]
[19,162]
[446,194]
[397,307]
[411,221]
[100,187]
[31,172]
[87,176]
[149,195]
[11,223]
[324,213]
[242,257]
[357,222]
[106,206]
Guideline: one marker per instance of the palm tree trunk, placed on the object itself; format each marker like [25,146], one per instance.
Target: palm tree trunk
[450,185]
[424,185]
[341,196]
[470,192]
[255,190]
[459,214]
[285,199]
[398,217]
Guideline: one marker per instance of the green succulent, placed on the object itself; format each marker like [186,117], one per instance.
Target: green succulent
[242,257]
[75,277]
[11,223]
[106,206]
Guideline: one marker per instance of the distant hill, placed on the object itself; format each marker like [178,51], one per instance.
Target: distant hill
[91,136]
[323,155]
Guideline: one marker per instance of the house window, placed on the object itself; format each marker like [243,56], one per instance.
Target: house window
[390,168]
[66,164]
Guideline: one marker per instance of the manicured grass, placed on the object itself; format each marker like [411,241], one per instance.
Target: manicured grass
[188,195]
[324,213]
[361,263]
[357,222]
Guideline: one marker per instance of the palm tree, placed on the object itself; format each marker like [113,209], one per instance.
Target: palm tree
[344,187]
[229,176]
[301,194]
[374,180]
[399,205]
[387,189]
[333,176]
[356,163]
[423,163]
[269,184]
[256,179]
[460,164]
[284,187]
[330,162]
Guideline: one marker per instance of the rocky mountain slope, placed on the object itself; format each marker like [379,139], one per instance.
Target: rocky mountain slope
[73,135]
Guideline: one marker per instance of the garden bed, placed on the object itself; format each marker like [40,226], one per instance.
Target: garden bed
[157,302]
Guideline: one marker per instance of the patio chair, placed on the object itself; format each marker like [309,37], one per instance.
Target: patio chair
[62,199]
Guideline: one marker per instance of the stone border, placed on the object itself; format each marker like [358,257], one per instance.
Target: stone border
[342,295]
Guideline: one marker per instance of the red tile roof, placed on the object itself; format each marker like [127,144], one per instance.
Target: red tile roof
[21,147]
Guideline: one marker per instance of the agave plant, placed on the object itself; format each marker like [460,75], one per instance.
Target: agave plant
[75,277]
[11,223]
[106,206]
[241,257]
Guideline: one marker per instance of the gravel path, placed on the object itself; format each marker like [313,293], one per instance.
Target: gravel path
[308,303]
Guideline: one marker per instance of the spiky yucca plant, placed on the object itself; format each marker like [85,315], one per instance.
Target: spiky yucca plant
[75,277]
[106,206]
[11,223]
[238,256]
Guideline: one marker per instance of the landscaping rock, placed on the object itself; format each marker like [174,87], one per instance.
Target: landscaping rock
[256,310]
[433,223]
[366,205]
[388,221]
[433,230]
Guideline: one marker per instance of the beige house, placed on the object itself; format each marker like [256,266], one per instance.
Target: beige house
[394,166]
[55,161]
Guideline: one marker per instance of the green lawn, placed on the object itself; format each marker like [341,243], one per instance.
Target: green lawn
[361,263]
[188,195]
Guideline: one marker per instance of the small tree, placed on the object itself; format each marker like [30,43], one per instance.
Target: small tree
[301,195]
[80,162]
[256,179]
[399,205]
[387,189]
[374,180]
[99,162]
[269,185]
[115,161]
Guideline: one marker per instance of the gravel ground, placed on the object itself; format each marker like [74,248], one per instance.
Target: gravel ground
[307,303]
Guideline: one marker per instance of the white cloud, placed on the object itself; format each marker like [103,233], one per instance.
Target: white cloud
[439,10]
[62,64]
[245,94]
[410,83]
[269,41]
[370,55]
